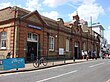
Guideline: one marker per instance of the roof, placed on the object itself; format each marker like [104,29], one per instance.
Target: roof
[6,14]
[49,22]
[34,12]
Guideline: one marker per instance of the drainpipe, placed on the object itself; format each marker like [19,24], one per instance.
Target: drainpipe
[15,9]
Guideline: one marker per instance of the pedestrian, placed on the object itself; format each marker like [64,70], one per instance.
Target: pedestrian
[86,55]
[32,53]
[95,54]
[9,55]
[83,54]
[89,53]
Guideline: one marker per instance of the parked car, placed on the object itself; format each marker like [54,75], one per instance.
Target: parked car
[105,55]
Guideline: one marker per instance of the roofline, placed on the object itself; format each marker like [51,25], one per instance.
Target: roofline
[21,9]
[32,13]
[5,8]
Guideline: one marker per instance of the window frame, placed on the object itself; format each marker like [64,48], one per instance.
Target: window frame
[67,45]
[31,37]
[51,43]
[3,39]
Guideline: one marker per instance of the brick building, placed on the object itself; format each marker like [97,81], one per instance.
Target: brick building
[24,32]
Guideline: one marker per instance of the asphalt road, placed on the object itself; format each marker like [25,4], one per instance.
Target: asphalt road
[90,71]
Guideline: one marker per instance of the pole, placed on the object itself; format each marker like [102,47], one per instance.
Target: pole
[91,31]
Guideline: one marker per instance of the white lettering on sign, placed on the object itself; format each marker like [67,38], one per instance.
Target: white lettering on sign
[36,27]
[16,60]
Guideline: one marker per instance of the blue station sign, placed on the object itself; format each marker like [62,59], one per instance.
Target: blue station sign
[13,63]
[35,27]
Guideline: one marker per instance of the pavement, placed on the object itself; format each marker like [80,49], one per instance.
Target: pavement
[30,67]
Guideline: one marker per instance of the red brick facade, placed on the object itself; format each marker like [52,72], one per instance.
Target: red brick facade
[23,22]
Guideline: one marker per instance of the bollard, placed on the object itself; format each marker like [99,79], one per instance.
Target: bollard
[64,59]
[16,68]
[74,59]
[53,61]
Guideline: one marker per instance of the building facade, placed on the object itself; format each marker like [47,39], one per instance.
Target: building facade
[24,32]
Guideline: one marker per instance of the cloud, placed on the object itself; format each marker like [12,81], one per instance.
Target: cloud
[7,4]
[71,5]
[109,27]
[87,9]
[33,5]
[54,3]
[109,9]
[4,5]
[53,14]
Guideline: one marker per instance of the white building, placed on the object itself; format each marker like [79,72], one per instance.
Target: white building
[100,30]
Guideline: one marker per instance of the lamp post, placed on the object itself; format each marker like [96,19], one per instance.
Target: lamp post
[91,32]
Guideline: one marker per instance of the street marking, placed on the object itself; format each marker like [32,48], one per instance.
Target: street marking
[7,74]
[63,66]
[96,64]
[48,68]
[57,76]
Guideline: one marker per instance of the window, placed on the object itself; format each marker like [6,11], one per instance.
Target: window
[32,37]
[3,40]
[29,35]
[67,45]
[51,43]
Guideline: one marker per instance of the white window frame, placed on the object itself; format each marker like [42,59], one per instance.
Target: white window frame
[67,45]
[3,38]
[51,43]
[29,36]
[32,37]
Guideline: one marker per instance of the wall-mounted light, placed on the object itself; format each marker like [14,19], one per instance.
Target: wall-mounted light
[56,36]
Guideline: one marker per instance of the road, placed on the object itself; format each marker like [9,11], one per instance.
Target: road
[90,71]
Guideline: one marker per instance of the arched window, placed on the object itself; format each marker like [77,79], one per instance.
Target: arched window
[3,40]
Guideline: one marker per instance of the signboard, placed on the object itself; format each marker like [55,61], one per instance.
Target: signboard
[36,27]
[13,63]
[61,51]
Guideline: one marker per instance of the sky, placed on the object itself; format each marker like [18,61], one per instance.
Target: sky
[97,9]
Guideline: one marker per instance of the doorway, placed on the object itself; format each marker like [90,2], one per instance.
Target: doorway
[32,51]
[77,50]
